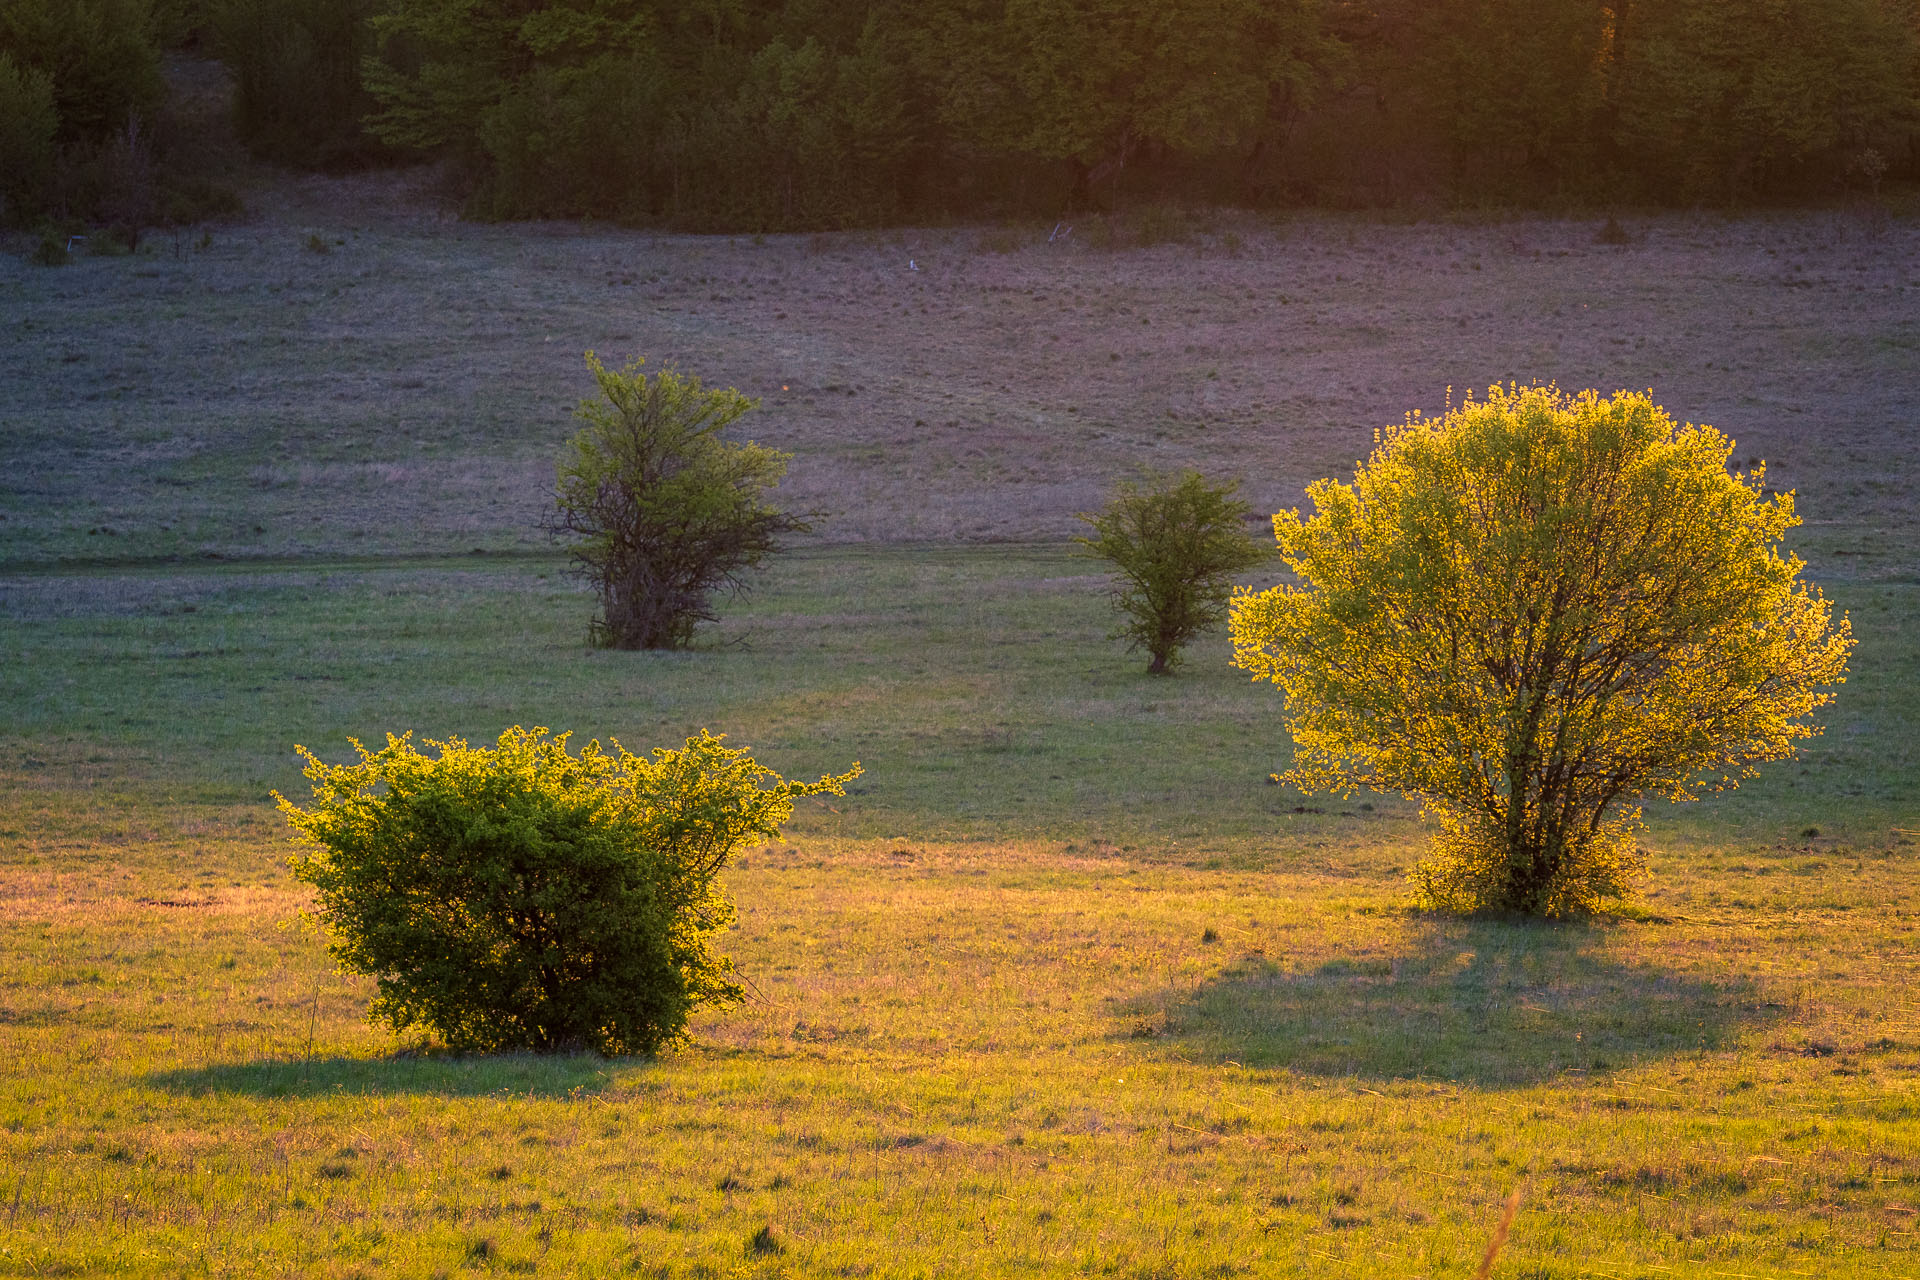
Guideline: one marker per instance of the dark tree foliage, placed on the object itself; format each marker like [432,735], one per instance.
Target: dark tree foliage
[1519,86]
[297,93]
[1730,99]
[129,200]
[665,513]
[1177,542]
[98,56]
[770,114]
[788,114]
[87,133]
[28,120]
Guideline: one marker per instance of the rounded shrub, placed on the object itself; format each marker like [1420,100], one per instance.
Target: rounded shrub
[1530,614]
[524,897]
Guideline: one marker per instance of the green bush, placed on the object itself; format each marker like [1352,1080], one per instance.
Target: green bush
[526,897]
[1177,542]
[664,511]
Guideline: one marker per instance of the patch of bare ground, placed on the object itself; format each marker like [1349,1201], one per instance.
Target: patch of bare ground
[355,369]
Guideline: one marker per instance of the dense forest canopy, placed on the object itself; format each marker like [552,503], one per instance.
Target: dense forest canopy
[779,114]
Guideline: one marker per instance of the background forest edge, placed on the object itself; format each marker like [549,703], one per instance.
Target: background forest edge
[771,115]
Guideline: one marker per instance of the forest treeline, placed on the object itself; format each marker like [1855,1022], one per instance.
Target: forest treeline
[786,114]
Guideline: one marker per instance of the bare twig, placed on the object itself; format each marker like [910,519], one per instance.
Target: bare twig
[1499,1236]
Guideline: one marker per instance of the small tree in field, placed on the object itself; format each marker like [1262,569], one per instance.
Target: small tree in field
[1177,542]
[522,897]
[666,513]
[1529,614]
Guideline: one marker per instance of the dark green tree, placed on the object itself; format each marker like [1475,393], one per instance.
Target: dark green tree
[1519,87]
[783,114]
[1728,99]
[568,141]
[28,122]
[298,97]
[1177,542]
[1098,85]
[443,66]
[102,64]
[663,512]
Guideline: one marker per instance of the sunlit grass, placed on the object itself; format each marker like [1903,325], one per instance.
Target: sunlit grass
[1065,988]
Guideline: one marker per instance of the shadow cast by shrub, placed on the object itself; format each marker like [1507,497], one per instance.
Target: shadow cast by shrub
[446,1075]
[1488,1002]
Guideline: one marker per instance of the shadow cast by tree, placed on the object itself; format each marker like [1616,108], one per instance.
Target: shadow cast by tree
[445,1075]
[1487,1002]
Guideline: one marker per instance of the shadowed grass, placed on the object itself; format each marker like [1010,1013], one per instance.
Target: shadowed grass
[1471,1001]
[502,1075]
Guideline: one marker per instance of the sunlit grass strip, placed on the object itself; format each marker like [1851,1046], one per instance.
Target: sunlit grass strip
[1152,1016]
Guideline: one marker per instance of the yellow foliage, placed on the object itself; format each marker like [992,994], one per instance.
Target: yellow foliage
[1528,614]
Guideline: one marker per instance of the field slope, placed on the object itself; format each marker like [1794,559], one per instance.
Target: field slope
[1065,986]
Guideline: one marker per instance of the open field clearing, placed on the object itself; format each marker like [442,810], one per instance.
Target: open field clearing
[408,389]
[1064,986]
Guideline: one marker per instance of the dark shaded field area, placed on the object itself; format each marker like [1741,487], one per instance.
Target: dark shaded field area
[407,389]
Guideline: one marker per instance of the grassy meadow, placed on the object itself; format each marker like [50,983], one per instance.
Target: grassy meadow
[1064,986]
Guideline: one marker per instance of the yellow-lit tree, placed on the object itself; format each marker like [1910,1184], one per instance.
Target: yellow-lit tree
[1529,614]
